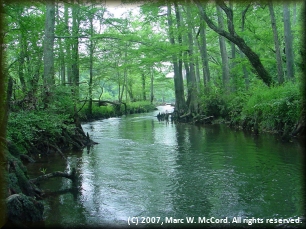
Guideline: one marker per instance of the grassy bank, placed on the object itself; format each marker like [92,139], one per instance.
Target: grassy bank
[261,109]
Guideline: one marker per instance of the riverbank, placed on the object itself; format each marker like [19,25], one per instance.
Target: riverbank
[36,134]
[277,110]
[32,135]
[162,163]
[104,110]
[40,133]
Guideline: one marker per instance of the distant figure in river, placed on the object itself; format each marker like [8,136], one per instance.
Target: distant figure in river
[167,117]
[164,116]
[159,117]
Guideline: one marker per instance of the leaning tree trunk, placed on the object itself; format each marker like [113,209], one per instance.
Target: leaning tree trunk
[236,39]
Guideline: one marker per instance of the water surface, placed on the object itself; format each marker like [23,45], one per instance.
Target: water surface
[146,168]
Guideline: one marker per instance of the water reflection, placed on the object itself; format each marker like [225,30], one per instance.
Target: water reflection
[142,167]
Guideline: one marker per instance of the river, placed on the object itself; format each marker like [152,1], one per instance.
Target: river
[160,172]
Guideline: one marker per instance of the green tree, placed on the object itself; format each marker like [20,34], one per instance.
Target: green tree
[236,39]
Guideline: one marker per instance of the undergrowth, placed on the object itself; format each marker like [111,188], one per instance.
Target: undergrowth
[272,109]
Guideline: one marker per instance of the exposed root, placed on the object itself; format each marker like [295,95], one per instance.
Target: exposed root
[71,176]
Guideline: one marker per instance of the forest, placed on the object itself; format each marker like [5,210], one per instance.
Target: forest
[68,62]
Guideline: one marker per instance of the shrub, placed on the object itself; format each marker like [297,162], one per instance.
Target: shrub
[236,103]
[275,107]
[29,126]
[139,106]
[214,104]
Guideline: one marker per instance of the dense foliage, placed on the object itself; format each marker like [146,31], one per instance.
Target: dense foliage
[156,53]
[67,62]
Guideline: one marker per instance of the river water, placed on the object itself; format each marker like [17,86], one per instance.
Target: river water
[153,171]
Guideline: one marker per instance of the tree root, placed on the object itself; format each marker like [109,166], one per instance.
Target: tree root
[58,150]
[69,139]
[25,157]
[72,176]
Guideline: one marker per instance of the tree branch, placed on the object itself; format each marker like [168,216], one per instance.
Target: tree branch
[239,41]
[243,14]
[229,13]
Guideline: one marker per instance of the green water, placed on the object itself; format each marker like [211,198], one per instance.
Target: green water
[153,171]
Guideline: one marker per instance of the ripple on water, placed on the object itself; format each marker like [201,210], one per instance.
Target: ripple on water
[143,167]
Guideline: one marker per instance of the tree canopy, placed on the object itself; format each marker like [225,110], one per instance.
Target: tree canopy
[206,46]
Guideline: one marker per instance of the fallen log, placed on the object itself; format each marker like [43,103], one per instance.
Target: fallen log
[185,115]
[71,176]
[204,119]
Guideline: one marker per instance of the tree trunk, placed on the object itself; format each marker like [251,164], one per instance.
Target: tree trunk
[75,51]
[232,63]
[294,14]
[179,38]
[152,85]
[62,64]
[193,106]
[143,78]
[288,42]
[197,69]
[48,51]
[91,50]
[187,76]
[233,37]
[179,57]
[204,54]
[244,69]
[277,45]
[178,81]
[68,57]
[224,56]
[21,61]
[233,47]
